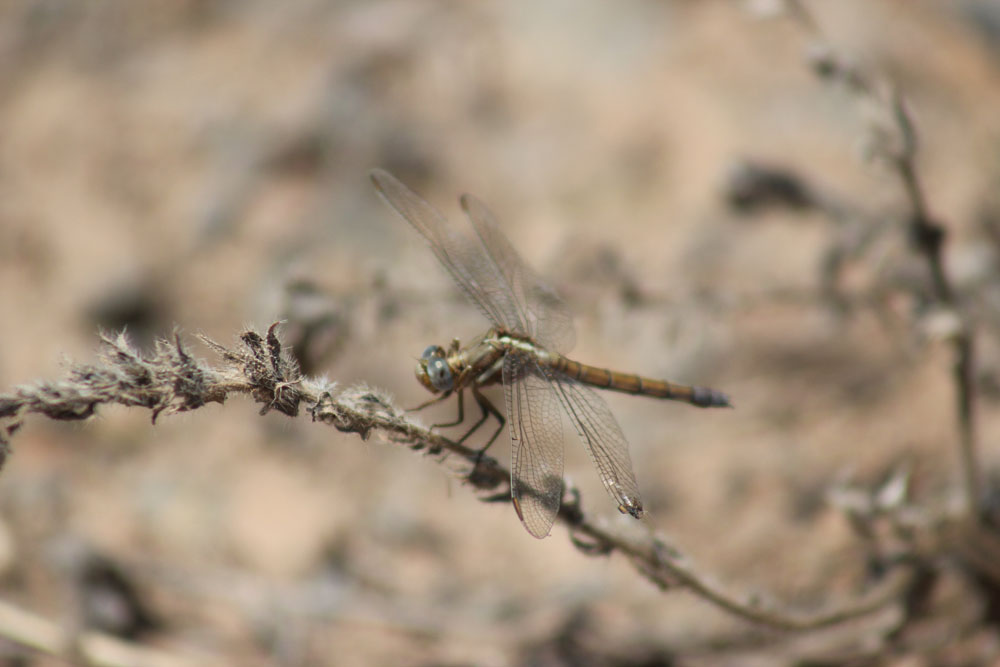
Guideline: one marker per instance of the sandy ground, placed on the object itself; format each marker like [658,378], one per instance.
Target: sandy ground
[184,163]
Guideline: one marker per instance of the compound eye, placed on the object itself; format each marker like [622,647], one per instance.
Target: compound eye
[432,351]
[439,373]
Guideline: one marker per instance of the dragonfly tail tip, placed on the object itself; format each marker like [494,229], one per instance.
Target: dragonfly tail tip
[704,397]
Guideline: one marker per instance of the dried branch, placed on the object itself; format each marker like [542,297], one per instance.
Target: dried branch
[171,381]
[893,139]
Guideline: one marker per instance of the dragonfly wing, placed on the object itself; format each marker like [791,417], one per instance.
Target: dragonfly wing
[536,437]
[462,255]
[546,315]
[605,442]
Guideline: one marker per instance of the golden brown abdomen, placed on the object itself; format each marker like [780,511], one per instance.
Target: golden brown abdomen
[629,383]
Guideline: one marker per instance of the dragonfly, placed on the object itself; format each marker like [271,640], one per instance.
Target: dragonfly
[532,329]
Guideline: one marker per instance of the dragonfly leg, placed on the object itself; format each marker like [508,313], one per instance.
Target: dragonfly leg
[488,409]
[438,399]
[461,413]
[428,403]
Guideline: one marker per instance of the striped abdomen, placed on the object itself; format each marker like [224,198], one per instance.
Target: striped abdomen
[629,383]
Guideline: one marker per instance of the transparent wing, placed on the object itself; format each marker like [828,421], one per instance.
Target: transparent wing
[462,255]
[536,438]
[546,315]
[604,439]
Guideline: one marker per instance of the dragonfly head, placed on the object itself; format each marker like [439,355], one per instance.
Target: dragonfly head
[433,370]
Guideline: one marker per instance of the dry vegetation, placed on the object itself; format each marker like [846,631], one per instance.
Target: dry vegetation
[793,203]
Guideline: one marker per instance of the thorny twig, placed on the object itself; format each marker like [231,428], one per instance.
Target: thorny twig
[894,140]
[171,381]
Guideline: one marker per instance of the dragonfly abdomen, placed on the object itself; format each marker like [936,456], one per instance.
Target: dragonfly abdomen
[630,383]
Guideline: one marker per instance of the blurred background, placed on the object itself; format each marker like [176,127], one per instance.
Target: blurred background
[203,165]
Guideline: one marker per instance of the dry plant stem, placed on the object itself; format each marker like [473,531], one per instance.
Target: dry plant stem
[668,568]
[171,381]
[929,237]
[925,233]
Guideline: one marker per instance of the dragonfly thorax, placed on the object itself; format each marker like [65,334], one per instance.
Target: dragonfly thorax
[433,370]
